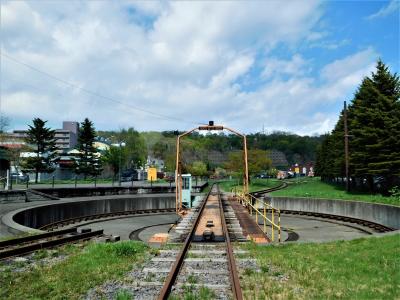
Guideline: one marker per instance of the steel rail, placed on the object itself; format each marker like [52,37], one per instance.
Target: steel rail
[233,274]
[173,274]
[48,244]
[105,215]
[370,224]
[31,238]
[273,189]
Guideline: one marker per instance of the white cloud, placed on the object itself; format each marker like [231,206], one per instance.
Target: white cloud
[392,7]
[185,63]
[238,67]
[358,62]
[297,66]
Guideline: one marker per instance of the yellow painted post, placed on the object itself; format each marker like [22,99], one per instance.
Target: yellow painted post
[251,207]
[265,227]
[272,225]
[256,212]
[279,224]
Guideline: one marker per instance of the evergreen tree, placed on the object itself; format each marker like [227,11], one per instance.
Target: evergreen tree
[325,162]
[375,127]
[43,139]
[88,158]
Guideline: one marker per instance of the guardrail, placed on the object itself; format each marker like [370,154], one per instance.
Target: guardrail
[253,204]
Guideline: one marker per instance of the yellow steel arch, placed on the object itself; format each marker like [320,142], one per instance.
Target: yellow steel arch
[178,177]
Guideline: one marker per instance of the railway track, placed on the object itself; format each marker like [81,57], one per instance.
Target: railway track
[127,213]
[375,226]
[215,261]
[28,244]
[260,193]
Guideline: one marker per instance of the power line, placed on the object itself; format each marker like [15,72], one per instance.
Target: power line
[96,94]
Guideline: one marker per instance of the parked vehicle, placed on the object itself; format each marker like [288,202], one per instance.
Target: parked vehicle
[19,177]
[262,176]
[129,175]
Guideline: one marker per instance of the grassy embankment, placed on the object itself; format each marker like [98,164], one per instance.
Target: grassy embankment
[315,188]
[312,188]
[255,184]
[366,268]
[73,277]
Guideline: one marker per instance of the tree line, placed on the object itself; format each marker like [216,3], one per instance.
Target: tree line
[88,161]
[373,119]
[196,150]
[197,147]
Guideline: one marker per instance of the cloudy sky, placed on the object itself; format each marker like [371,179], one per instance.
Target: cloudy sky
[281,65]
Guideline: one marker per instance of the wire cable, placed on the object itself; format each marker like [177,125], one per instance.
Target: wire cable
[95,94]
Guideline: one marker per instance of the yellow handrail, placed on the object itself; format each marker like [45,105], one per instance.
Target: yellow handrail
[244,200]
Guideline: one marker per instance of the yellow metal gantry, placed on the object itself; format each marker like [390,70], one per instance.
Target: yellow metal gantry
[178,177]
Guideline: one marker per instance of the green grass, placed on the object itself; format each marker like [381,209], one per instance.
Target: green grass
[123,295]
[255,184]
[73,277]
[315,188]
[189,293]
[366,268]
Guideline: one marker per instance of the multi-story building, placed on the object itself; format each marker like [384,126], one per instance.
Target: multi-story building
[278,159]
[66,138]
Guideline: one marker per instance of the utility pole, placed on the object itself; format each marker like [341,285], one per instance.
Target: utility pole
[119,165]
[121,144]
[346,146]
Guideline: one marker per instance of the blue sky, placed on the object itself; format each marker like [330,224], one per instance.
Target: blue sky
[284,65]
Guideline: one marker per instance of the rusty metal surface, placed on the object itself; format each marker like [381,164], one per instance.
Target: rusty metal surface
[170,280]
[211,209]
[233,274]
[250,228]
[24,249]
[36,237]
[69,221]
[260,193]
[211,212]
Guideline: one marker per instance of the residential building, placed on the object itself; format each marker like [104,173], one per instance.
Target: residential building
[66,138]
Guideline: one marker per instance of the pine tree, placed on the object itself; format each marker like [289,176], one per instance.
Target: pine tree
[88,158]
[43,139]
[325,162]
[375,127]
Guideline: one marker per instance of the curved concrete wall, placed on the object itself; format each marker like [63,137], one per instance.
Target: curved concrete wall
[39,216]
[387,215]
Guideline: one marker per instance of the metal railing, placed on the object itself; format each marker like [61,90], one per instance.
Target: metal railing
[260,209]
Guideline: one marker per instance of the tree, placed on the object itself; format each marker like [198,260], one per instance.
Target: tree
[4,123]
[198,168]
[257,160]
[135,149]
[88,162]
[43,140]
[375,126]
[115,157]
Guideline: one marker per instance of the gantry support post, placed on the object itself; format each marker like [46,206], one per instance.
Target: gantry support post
[178,179]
